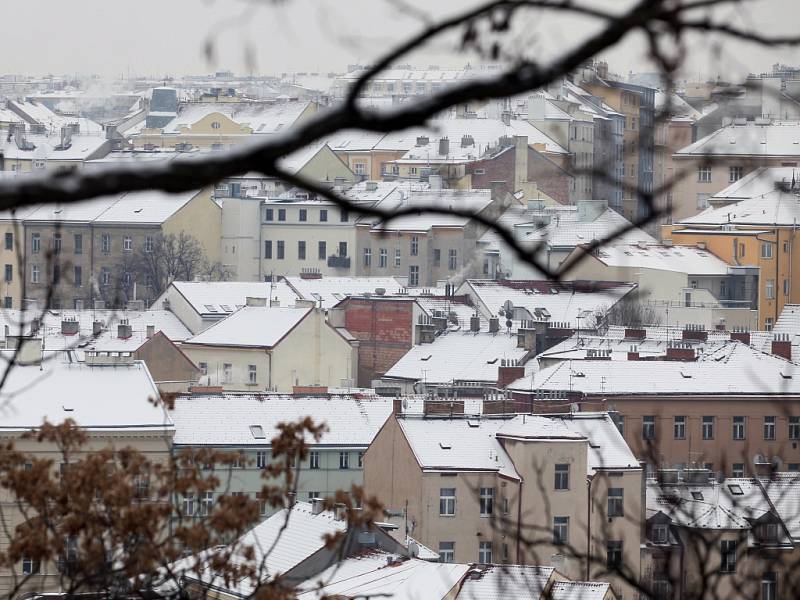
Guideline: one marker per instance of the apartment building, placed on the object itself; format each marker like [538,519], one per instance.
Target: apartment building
[725,156]
[732,410]
[526,489]
[334,462]
[263,348]
[753,229]
[113,408]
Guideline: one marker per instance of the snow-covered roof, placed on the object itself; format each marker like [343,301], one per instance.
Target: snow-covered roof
[498,582]
[351,420]
[95,397]
[459,355]
[566,229]
[577,306]
[772,208]
[252,326]
[732,369]
[217,298]
[579,590]
[681,259]
[260,118]
[473,201]
[780,138]
[354,140]
[45,147]
[380,574]
[783,490]
[675,106]
[329,291]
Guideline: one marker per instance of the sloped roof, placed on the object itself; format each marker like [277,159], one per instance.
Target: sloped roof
[332,290]
[681,259]
[579,590]
[499,582]
[473,201]
[781,138]
[783,490]
[771,208]
[217,298]
[566,229]
[352,421]
[260,117]
[252,326]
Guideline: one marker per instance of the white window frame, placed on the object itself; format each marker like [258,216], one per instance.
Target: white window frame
[447,502]
[127,243]
[252,374]
[485,552]
[704,174]
[35,273]
[486,501]
[227,373]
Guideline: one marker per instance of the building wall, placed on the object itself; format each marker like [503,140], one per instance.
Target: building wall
[170,368]
[240,245]
[201,218]
[11,291]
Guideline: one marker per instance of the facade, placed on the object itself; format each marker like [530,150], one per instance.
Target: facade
[467,488]
[262,348]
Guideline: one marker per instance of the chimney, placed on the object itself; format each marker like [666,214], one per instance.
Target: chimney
[509,371]
[124,330]
[475,323]
[317,504]
[635,334]
[151,331]
[35,324]
[494,324]
[291,498]
[444,146]
[69,326]
[696,333]
[423,140]
[397,406]
[740,335]
[680,351]
[781,346]
[506,117]
[253,301]
[526,336]
[536,107]
[340,512]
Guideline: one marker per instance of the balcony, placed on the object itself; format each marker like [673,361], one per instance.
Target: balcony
[339,262]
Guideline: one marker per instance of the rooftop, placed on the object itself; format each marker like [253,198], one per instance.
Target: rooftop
[218,298]
[329,291]
[259,117]
[680,259]
[779,138]
[252,326]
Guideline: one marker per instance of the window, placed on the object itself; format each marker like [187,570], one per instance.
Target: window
[413,275]
[188,505]
[215,125]
[252,374]
[267,248]
[659,533]
[36,242]
[313,459]
[367,257]
[735,174]
[344,460]
[322,251]
[9,241]
[737,470]
[437,257]
[447,502]
[207,503]
[105,276]
[794,428]
[261,459]
[105,243]
[9,274]
[344,216]
[485,553]
[619,421]
[769,586]
[360,168]
[127,244]
[280,247]
[30,566]
[560,530]
[486,497]
[8,302]
[452,259]
[56,243]
[785,287]
[702,201]
[383,258]
[769,428]
[447,552]
[303,215]
[203,368]
[768,324]
[766,250]
[397,257]
[148,244]
[616,502]
[708,428]
[562,477]
[738,428]
[613,553]
[269,215]
[227,373]
[34,273]
[342,249]
[77,276]
[704,174]
[648,428]
[361,459]
[680,428]
[414,251]
[323,215]
[728,556]
[301,250]
[281,214]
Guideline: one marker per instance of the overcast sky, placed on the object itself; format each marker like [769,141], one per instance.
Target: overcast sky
[158,37]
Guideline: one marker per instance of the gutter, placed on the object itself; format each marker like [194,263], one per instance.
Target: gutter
[589,481]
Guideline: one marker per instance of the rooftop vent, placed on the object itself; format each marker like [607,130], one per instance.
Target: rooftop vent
[423,140]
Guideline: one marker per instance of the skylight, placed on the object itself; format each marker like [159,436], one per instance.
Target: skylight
[258,432]
[735,489]
[697,495]
[445,445]
[211,308]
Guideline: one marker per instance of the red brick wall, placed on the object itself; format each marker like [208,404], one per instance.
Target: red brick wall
[385,330]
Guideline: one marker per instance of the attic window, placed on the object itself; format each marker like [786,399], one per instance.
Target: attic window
[211,308]
[138,210]
[697,495]
[426,357]
[445,445]
[686,375]
[226,308]
[58,211]
[473,423]
[735,489]
[786,374]
[67,408]
[491,362]
[258,432]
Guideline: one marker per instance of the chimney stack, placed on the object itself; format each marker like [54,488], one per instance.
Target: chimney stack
[317,505]
[781,346]
[124,330]
[97,328]
[444,146]
[69,326]
[509,371]
[151,331]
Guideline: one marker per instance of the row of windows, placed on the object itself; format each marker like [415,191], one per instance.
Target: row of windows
[735,173]
[302,215]
[447,552]
[280,250]
[263,458]
[105,243]
[104,278]
[708,427]
[486,498]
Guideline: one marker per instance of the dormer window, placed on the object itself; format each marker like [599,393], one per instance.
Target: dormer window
[659,533]
[767,532]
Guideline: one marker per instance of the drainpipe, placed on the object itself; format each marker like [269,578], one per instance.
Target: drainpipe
[519,520]
[589,481]
[260,241]
[269,371]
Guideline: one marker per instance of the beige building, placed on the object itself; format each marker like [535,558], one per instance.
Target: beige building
[85,250]
[112,408]
[261,348]
[526,489]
